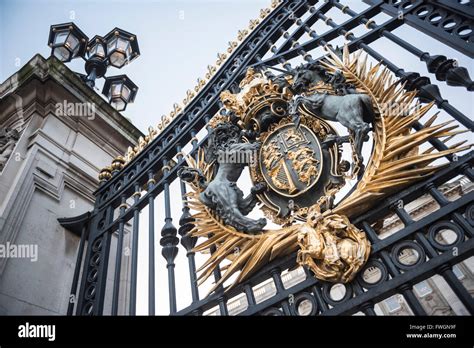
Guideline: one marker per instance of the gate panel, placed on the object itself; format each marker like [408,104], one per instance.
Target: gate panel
[145,181]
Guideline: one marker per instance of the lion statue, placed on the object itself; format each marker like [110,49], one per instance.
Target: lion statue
[226,148]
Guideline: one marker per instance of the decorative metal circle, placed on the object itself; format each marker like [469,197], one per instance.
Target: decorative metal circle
[407,255]
[373,274]
[449,24]
[142,164]
[90,292]
[470,214]
[118,186]
[305,305]
[97,246]
[95,260]
[88,309]
[331,295]
[407,5]
[293,5]
[464,31]
[92,276]
[435,18]
[424,11]
[101,224]
[130,175]
[104,197]
[272,312]
[445,235]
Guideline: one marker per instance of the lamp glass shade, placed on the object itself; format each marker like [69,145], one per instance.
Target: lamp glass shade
[62,53]
[125,93]
[111,44]
[124,46]
[116,90]
[97,50]
[117,59]
[60,37]
[67,41]
[118,104]
[120,51]
[72,43]
[120,91]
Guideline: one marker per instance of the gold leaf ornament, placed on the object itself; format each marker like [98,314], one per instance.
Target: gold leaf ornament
[327,243]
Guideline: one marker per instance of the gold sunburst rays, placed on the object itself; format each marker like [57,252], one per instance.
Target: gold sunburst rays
[395,160]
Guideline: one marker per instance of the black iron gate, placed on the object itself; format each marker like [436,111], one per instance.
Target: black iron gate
[277,41]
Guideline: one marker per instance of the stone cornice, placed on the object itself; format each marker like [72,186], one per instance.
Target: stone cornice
[43,69]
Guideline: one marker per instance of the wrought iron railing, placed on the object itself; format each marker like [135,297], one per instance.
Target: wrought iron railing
[120,200]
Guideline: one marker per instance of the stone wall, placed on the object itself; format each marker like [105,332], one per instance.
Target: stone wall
[51,174]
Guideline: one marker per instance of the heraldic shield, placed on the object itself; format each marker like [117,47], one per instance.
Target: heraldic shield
[288,123]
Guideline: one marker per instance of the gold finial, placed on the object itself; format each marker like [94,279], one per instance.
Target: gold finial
[189,96]
[211,70]
[176,110]
[241,34]
[264,12]
[221,57]
[253,24]
[168,120]
[200,83]
[130,154]
[232,45]
[160,124]
[164,120]
[141,143]
[152,133]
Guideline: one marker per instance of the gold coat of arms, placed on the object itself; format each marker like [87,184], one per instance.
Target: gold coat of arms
[282,130]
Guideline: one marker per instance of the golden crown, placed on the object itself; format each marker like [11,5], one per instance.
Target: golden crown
[256,92]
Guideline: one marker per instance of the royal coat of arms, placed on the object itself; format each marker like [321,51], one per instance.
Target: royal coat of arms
[281,127]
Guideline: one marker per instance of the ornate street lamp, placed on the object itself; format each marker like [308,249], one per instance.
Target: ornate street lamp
[117,49]
[96,63]
[120,90]
[67,41]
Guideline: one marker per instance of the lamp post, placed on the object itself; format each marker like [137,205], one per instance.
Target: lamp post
[96,63]
[118,48]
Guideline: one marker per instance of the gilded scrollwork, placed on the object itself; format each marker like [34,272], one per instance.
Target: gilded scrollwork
[331,247]
[299,157]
